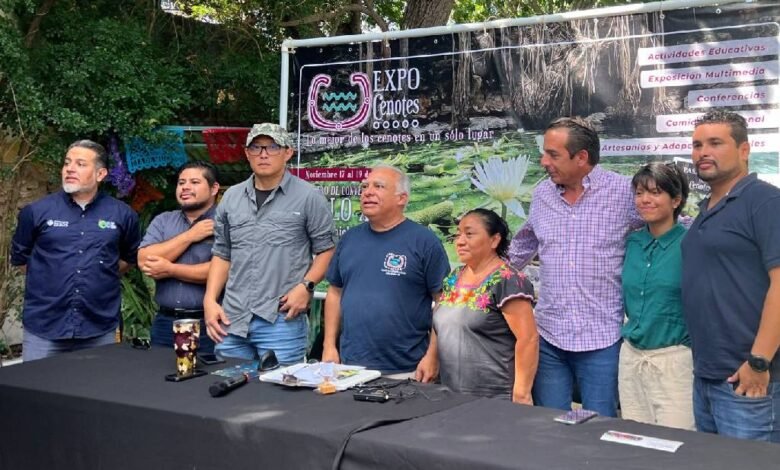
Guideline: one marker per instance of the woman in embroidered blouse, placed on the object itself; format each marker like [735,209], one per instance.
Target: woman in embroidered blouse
[484,324]
[655,373]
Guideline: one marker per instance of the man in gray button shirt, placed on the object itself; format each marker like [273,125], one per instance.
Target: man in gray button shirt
[266,231]
[176,252]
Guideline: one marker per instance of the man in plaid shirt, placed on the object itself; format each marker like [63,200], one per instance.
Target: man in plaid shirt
[578,223]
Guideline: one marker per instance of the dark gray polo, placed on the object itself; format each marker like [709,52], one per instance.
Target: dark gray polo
[172,292]
[270,249]
[727,254]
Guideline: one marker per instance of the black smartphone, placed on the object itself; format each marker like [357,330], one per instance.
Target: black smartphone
[210,359]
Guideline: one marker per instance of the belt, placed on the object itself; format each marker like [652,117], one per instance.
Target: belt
[181,312]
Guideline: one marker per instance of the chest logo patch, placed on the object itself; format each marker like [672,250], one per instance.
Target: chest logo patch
[57,223]
[104,224]
[395,265]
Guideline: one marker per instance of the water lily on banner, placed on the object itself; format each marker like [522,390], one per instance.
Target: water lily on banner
[502,181]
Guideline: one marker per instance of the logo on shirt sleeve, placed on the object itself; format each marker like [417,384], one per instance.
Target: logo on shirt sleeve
[106,224]
[395,265]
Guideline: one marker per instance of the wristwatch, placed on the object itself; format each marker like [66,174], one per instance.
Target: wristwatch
[309,285]
[758,363]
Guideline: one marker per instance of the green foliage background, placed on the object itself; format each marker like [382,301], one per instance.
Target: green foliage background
[99,68]
[124,67]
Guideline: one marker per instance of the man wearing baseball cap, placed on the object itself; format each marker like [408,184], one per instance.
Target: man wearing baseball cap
[273,240]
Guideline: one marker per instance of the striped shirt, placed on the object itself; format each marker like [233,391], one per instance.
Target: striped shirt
[581,248]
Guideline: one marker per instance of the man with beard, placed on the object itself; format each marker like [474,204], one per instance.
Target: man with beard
[74,245]
[176,253]
[731,287]
[383,279]
[578,224]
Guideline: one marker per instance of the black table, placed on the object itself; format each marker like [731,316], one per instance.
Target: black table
[110,408]
[495,434]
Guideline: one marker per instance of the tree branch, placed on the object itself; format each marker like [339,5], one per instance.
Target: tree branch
[348,8]
[35,25]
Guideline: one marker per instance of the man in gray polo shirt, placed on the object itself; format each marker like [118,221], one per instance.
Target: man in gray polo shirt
[731,287]
[266,231]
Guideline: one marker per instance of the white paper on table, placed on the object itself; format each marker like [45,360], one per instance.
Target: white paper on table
[311,375]
[641,441]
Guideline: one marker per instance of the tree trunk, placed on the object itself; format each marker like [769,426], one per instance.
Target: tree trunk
[32,31]
[425,13]
[461,92]
[355,20]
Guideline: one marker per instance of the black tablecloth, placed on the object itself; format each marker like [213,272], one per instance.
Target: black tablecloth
[495,434]
[110,408]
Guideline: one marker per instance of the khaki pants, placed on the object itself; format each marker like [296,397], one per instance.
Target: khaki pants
[656,385]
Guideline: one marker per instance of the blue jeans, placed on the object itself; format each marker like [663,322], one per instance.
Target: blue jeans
[717,409]
[34,347]
[162,334]
[287,339]
[595,372]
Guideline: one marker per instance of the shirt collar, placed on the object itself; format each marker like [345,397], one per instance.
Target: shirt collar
[591,180]
[284,185]
[742,184]
[664,240]
[735,191]
[69,199]
[209,214]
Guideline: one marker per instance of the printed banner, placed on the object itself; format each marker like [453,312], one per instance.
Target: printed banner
[463,114]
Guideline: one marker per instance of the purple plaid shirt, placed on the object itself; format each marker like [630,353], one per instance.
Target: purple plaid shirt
[581,248]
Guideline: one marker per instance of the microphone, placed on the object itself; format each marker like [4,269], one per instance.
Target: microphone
[267,362]
[219,389]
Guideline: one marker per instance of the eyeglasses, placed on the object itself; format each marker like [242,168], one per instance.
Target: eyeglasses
[141,343]
[272,149]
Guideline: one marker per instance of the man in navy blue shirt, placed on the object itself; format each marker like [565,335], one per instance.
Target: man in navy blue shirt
[74,245]
[383,279]
[176,253]
[731,287]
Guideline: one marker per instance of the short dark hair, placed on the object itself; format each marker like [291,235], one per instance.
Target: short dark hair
[582,136]
[102,156]
[736,123]
[667,177]
[494,224]
[210,171]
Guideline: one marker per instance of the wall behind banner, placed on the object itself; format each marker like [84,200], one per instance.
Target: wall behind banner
[463,114]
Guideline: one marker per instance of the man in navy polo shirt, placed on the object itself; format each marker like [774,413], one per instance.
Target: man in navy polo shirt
[74,245]
[731,287]
[176,253]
